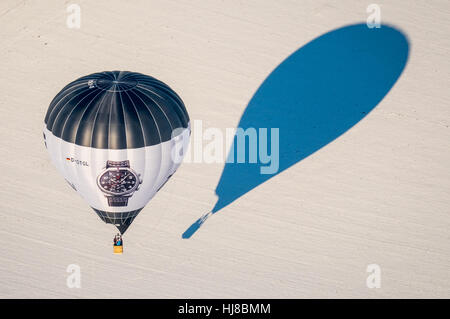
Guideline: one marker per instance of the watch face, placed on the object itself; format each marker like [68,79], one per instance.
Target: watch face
[118,181]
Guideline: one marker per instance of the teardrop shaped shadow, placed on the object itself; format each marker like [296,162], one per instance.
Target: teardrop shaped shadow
[314,96]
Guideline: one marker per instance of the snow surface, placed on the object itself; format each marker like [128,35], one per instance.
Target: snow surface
[379,194]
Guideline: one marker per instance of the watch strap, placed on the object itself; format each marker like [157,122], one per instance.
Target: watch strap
[117,200]
[117,164]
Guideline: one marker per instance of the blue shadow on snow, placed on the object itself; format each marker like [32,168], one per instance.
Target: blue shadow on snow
[314,96]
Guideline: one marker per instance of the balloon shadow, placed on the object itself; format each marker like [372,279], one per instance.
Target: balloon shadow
[314,96]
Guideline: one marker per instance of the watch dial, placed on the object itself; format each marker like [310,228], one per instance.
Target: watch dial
[118,181]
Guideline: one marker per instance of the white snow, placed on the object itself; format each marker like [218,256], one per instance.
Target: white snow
[379,194]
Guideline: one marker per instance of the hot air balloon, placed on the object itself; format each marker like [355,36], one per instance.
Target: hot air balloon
[117,137]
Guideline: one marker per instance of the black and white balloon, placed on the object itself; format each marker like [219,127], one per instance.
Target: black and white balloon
[117,137]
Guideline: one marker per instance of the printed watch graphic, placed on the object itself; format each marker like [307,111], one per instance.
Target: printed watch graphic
[119,182]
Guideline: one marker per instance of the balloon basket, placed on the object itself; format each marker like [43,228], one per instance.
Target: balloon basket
[118,250]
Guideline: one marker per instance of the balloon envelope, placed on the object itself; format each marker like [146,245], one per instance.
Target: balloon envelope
[117,137]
